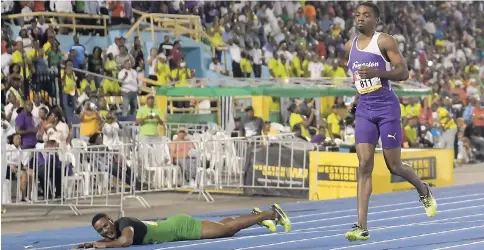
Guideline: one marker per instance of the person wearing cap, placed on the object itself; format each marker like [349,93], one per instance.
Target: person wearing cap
[252,125]
[334,123]
[148,118]
[447,124]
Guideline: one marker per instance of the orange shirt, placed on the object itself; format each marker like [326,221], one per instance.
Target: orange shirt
[117,9]
[310,13]
[476,112]
[39,6]
[4,47]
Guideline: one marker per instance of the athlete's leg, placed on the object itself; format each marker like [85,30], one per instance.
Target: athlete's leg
[366,136]
[226,220]
[391,141]
[211,230]
[366,155]
[391,138]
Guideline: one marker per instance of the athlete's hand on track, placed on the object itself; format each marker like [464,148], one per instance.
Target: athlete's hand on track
[84,245]
[367,73]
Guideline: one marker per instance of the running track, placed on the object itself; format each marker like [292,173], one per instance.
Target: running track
[396,221]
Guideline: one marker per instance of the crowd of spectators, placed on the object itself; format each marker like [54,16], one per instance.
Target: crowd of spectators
[443,43]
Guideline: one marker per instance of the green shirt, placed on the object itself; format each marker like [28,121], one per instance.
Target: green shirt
[149,126]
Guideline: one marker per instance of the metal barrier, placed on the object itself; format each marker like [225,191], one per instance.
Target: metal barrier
[101,176]
[55,178]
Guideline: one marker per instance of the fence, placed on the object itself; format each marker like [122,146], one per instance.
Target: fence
[98,176]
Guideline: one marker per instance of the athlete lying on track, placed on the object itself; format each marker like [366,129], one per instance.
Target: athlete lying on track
[127,231]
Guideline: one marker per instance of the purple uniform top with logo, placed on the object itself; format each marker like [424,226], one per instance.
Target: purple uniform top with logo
[378,111]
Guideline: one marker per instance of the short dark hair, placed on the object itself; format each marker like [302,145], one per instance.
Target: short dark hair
[374,7]
[97,217]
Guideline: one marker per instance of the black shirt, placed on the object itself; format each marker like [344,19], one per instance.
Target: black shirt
[138,226]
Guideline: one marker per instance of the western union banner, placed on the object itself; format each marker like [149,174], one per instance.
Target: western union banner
[335,175]
[277,171]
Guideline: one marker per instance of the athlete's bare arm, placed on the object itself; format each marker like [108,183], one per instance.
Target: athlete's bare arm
[389,46]
[347,50]
[125,240]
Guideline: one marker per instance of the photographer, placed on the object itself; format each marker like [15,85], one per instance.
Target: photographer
[90,120]
[148,118]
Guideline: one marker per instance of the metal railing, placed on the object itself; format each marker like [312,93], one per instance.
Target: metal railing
[73,17]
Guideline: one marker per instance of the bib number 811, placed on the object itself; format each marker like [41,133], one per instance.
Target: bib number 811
[365,83]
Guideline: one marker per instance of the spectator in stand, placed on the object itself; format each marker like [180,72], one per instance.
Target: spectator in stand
[69,82]
[137,51]
[129,88]
[122,57]
[148,118]
[252,125]
[90,121]
[175,55]
[180,149]
[163,72]
[166,46]
[62,6]
[55,57]
[25,126]
[245,65]
[114,48]
[16,161]
[80,59]
[38,104]
[296,118]
[152,64]
[57,128]
[411,131]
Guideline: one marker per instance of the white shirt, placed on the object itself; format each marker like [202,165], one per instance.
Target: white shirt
[9,109]
[235,53]
[256,56]
[130,84]
[61,6]
[59,135]
[27,10]
[315,69]
[6,62]
[113,49]
[215,67]
[152,67]
[7,5]
[111,134]
[35,113]
[15,156]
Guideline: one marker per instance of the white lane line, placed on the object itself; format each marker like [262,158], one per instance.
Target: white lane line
[393,218]
[58,246]
[321,227]
[373,207]
[378,242]
[382,206]
[462,245]
[336,212]
[411,237]
[378,212]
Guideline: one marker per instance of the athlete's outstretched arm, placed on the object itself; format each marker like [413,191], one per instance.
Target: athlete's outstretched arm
[125,240]
[400,71]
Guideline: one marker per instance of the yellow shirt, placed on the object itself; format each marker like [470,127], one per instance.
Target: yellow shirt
[305,66]
[330,72]
[18,58]
[296,67]
[110,65]
[183,75]
[47,46]
[69,84]
[217,37]
[411,133]
[32,53]
[162,73]
[245,66]
[334,119]
[413,110]
[85,83]
[89,125]
[445,121]
[109,86]
[402,110]
[295,119]
[272,65]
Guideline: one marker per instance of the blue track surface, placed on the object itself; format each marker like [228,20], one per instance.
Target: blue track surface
[396,221]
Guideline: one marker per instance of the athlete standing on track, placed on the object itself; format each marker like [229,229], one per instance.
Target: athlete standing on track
[371,57]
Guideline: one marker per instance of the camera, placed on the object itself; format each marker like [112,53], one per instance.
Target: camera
[153,114]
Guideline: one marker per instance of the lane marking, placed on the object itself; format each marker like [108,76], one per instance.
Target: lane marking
[461,245]
[378,212]
[331,212]
[411,237]
[302,230]
[378,242]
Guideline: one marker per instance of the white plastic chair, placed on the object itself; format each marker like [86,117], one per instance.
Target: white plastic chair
[76,177]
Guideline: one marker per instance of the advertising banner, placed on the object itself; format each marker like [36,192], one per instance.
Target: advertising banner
[277,171]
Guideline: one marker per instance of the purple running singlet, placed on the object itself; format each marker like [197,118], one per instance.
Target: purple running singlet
[378,111]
